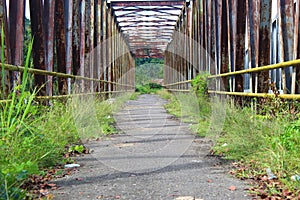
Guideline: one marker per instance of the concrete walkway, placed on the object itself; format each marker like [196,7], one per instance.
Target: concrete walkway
[154,157]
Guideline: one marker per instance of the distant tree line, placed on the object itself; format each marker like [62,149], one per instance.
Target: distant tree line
[148,69]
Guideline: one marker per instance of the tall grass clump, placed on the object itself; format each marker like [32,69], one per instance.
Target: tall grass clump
[265,138]
[32,136]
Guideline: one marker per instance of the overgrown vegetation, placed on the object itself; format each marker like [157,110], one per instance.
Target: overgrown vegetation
[34,137]
[149,88]
[257,140]
[148,70]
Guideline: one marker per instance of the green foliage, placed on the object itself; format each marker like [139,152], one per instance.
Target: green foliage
[270,139]
[200,84]
[134,96]
[147,72]
[164,94]
[34,136]
[142,61]
[149,88]
[76,149]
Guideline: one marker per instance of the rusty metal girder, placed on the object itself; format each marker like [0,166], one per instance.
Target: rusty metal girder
[60,40]
[218,35]
[224,45]
[76,37]
[49,13]
[68,24]
[36,8]
[264,43]
[147,3]
[5,76]
[16,32]
[236,18]
[286,8]
[82,41]
[142,22]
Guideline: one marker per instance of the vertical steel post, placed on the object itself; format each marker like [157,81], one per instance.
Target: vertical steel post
[5,77]
[264,43]
[104,43]
[16,19]
[36,8]
[60,38]
[76,37]
[82,43]
[68,16]
[109,45]
[98,10]
[49,7]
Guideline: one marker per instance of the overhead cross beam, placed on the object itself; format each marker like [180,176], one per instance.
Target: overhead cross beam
[147,25]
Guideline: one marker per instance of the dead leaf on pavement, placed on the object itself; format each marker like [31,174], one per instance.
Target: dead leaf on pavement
[232,188]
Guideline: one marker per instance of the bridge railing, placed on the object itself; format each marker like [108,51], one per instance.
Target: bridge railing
[119,86]
[215,80]
[185,85]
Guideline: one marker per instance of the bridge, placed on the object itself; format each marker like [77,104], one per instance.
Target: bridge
[250,48]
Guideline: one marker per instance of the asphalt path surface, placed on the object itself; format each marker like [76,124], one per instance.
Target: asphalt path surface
[155,156]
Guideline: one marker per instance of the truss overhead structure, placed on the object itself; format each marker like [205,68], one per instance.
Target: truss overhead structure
[148,26]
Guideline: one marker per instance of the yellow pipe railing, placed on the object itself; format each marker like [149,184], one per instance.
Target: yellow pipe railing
[57,74]
[177,90]
[259,69]
[70,95]
[177,83]
[263,95]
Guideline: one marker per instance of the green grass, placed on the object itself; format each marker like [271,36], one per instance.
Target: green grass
[270,139]
[34,136]
[149,88]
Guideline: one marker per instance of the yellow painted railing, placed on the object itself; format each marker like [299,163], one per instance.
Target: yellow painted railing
[259,69]
[58,74]
[255,70]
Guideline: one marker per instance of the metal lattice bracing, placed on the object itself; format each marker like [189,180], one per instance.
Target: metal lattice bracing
[147,25]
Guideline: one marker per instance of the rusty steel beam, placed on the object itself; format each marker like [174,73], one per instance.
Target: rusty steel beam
[109,43]
[90,39]
[236,18]
[208,33]
[82,42]
[76,37]
[231,22]
[147,3]
[60,40]
[36,8]
[49,13]
[286,8]
[287,11]
[5,76]
[297,46]
[218,35]
[264,43]
[16,32]
[254,20]
[137,9]
[98,29]
[224,45]
[104,42]
[68,24]
[240,43]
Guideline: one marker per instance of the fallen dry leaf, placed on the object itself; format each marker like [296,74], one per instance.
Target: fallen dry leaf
[232,188]
[51,184]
